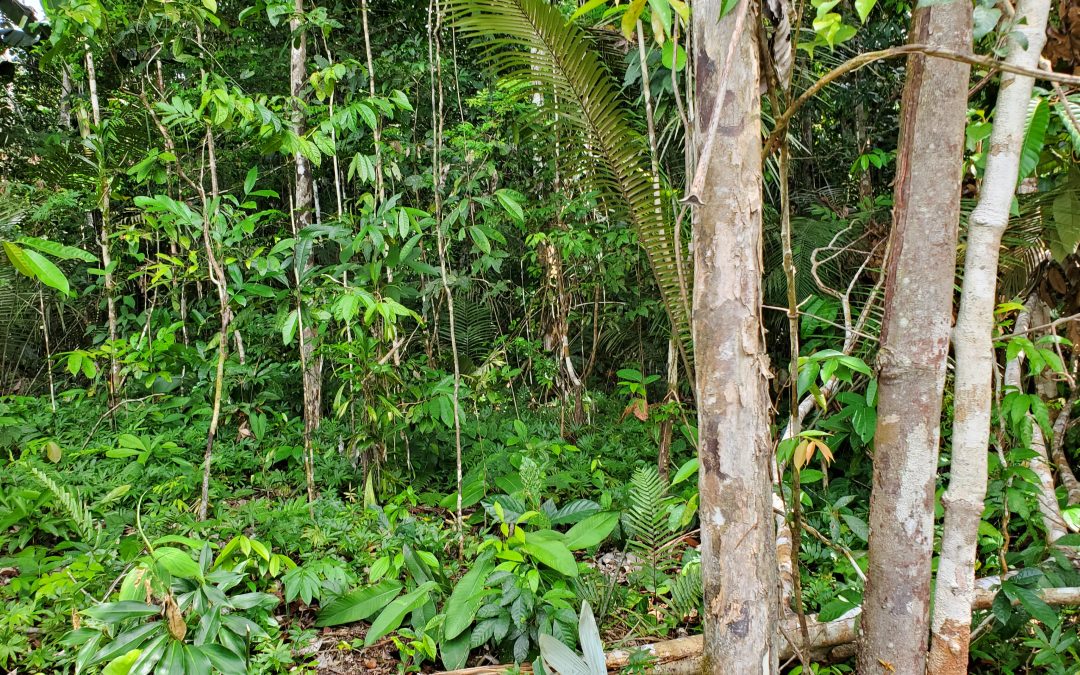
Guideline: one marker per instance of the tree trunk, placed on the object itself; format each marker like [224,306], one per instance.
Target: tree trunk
[104,209]
[972,400]
[302,205]
[738,541]
[915,345]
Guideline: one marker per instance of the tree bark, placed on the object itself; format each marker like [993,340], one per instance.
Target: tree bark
[104,209]
[914,345]
[738,540]
[303,199]
[974,354]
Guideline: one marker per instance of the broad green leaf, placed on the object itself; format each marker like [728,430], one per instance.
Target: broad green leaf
[466,598]
[685,471]
[546,547]
[509,202]
[396,611]
[455,652]
[58,250]
[1034,136]
[177,562]
[47,272]
[225,660]
[358,605]
[121,665]
[985,19]
[111,612]
[631,16]
[863,7]
[128,641]
[288,329]
[591,531]
[150,656]
[18,259]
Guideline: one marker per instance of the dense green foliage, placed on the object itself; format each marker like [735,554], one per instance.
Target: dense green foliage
[553,221]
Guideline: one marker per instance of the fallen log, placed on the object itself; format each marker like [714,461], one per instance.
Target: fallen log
[829,640]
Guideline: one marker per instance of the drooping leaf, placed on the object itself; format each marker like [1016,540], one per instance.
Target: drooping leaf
[1038,119]
[466,598]
[558,658]
[358,605]
[557,59]
[396,611]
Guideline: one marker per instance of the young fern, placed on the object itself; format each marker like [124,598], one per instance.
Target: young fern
[70,503]
[646,521]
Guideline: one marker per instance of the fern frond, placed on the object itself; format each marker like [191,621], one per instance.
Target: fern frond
[687,592]
[645,521]
[70,503]
[530,41]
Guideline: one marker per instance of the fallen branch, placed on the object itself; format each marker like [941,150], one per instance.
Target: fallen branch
[831,638]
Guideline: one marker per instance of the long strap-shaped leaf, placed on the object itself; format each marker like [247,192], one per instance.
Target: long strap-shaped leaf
[530,41]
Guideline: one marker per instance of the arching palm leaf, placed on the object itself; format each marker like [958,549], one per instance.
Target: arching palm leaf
[530,41]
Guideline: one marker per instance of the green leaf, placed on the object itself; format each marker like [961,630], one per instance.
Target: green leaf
[1030,600]
[121,665]
[863,7]
[249,180]
[128,641]
[112,612]
[358,605]
[177,562]
[150,656]
[396,611]
[47,272]
[1034,137]
[985,19]
[586,8]
[591,531]
[480,239]
[288,329]
[466,598]
[18,259]
[509,202]
[58,250]
[546,547]
[455,652]
[685,471]
[225,660]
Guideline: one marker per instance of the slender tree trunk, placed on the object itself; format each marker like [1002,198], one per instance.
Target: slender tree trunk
[972,399]
[738,540]
[915,345]
[103,230]
[303,200]
[217,278]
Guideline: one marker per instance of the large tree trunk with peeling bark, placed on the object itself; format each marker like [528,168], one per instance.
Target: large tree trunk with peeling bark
[738,541]
[303,200]
[915,345]
[972,400]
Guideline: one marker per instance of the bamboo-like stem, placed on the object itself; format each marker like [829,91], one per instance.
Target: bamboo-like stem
[435,59]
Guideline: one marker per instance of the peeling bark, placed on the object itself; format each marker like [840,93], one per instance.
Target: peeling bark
[914,345]
[738,541]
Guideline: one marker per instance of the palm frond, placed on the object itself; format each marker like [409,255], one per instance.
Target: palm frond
[530,41]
